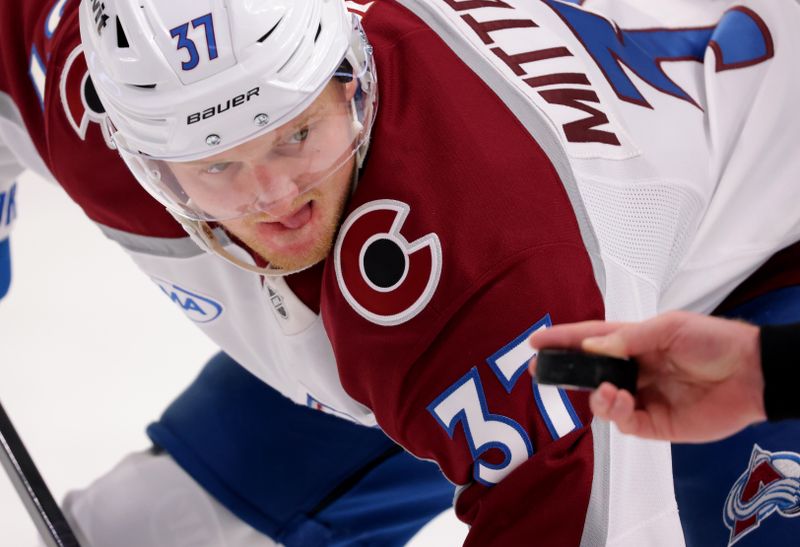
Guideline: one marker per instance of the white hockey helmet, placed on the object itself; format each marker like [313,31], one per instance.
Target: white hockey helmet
[185,80]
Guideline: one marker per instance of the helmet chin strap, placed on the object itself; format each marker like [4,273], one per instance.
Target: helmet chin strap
[205,238]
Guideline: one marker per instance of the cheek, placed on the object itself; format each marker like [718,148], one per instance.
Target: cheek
[337,186]
[224,198]
[238,227]
[198,192]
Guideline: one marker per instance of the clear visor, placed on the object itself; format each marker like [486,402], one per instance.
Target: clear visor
[268,172]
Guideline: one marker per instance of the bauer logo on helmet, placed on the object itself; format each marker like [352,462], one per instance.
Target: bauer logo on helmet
[221,108]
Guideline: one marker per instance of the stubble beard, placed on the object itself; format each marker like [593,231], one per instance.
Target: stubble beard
[324,236]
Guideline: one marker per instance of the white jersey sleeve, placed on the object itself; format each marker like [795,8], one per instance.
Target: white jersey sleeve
[17,151]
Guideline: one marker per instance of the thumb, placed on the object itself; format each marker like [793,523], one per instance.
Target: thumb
[612,345]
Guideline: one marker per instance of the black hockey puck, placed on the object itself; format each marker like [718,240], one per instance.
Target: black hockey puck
[578,370]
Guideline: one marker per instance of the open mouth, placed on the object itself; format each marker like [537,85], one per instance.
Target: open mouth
[298,218]
[292,221]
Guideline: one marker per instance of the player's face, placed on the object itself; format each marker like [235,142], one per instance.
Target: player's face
[293,183]
[301,232]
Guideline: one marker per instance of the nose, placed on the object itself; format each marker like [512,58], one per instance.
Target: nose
[276,190]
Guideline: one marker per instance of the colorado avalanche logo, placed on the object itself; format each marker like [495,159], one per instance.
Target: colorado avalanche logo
[771,483]
[78,96]
[386,279]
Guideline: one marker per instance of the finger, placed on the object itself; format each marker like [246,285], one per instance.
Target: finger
[621,409]
[635,339]
[629,420]
[532,366]
[651,335]
[612,344]
[602,399]
[570,335]
[640,424]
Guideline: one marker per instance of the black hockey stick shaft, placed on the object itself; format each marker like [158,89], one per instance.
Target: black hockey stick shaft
[30,486]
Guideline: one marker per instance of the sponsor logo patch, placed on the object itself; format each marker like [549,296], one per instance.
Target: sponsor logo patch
[278,304]
[198,308]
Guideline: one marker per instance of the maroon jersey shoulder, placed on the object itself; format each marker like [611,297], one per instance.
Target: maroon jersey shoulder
[47,78]
[459,242]
[26,28]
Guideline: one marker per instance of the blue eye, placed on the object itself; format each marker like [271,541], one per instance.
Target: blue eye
[300,136]
[216,168]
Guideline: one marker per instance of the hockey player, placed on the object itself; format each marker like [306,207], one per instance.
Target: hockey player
[236,463]
[592,216]
[530,162]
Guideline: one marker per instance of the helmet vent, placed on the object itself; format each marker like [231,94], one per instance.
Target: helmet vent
[122,40]
[270,31]
[319,31]
[289,60]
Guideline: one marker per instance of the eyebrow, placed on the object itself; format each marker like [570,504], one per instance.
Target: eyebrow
[298,120]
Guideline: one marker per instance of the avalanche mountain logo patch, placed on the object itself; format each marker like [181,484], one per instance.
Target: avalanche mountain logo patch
[770,486]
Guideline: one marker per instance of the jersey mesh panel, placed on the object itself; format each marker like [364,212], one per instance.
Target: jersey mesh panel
[645,228]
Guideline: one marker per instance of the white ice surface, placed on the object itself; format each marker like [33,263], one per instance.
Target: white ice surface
[90,353]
